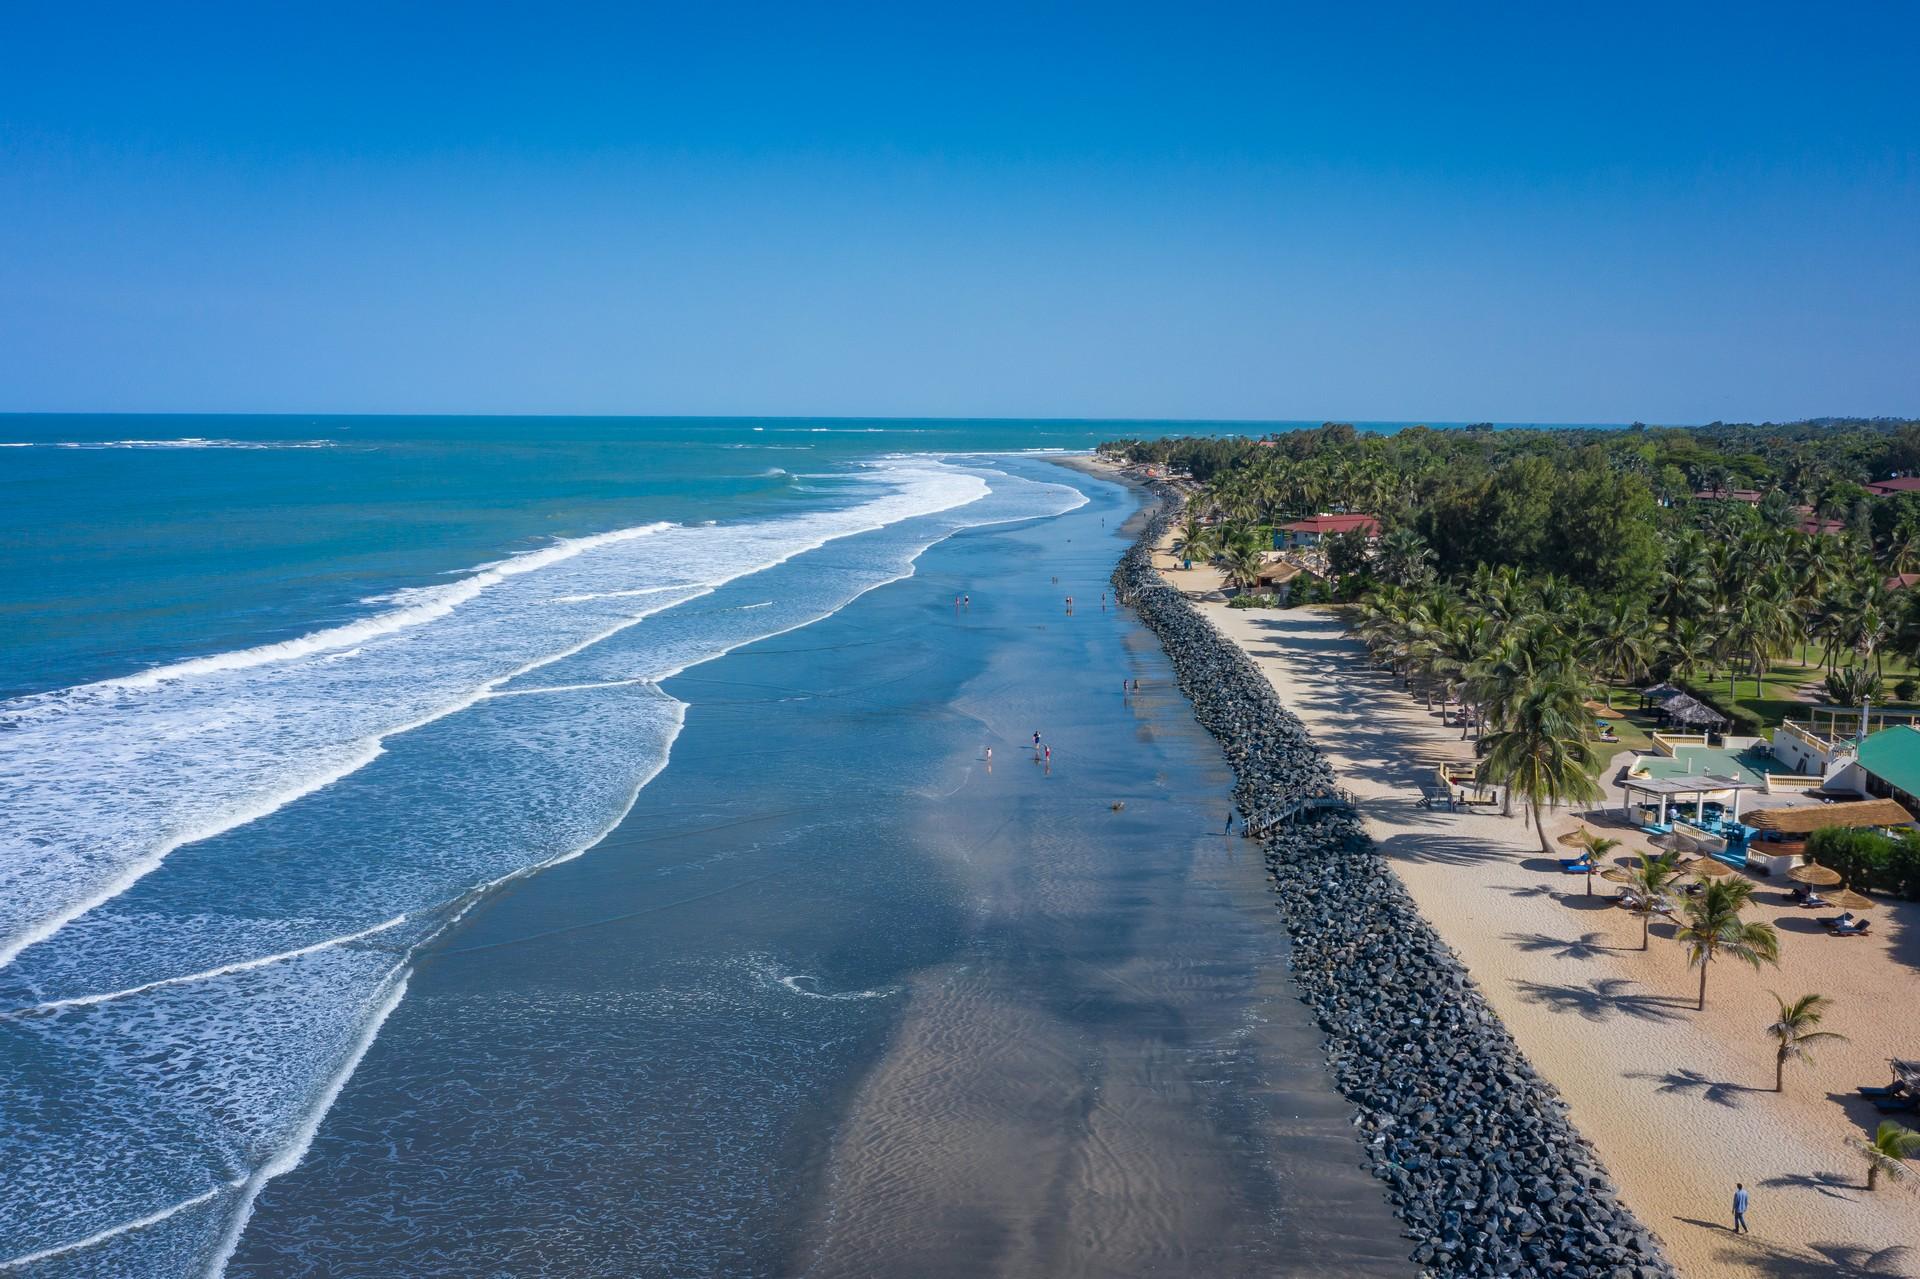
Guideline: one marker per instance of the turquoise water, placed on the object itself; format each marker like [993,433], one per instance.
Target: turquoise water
[299,712]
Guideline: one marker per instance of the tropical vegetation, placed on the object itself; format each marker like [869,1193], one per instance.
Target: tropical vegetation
[1795,1030]
[1712,929]
[1887,1152]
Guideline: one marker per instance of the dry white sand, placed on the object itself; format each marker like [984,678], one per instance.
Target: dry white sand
[1678,1102]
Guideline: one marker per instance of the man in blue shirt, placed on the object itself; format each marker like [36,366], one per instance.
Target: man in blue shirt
[1740,1210]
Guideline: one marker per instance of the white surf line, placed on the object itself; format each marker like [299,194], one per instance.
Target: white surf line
[136,870]
[125,1227]
[290,1156]
[568,688]
[224,970]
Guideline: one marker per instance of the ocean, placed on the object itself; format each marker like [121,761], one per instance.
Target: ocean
[464,846]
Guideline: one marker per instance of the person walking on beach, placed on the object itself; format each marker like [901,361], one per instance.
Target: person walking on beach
[1740,1210]
[1229,829]
[1036,743]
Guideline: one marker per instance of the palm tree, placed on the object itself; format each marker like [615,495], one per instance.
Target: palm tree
[1714,928]
[1244,560]
[1194,540]
[1545,753]
[1620,644]
[1403,558]
[1795,1029]
[1651,883]
[1888,1152]
[1597,846]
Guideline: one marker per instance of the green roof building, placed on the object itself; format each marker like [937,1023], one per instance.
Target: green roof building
[1890,763]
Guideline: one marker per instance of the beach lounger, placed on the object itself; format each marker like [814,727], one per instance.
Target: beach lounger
[1894,1105]
[1578,867]
[1882,1090]
[1853,930]
[1836,921]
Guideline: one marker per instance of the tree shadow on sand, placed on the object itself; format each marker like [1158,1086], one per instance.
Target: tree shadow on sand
[1819,1260]
[1585,946]
[1529,890]
[1441,850]
[1718,1091]
[1602,999]
[1833,1185]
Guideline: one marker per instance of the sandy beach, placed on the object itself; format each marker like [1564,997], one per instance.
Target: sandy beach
[1678,1102]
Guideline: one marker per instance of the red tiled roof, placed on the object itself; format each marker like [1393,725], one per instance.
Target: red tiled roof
[1325,524]
[1901,581]
[1750,496]
[1898,484]
[1816,527]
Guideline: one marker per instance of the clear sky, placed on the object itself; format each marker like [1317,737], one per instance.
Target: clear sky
[1535,212]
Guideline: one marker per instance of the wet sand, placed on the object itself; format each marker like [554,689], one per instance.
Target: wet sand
[836,999]
[1113,1076]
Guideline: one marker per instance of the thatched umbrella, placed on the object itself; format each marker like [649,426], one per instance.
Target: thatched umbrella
[1708,868]
[1575,838]
[1851,900]
[1617,875]
[1814,875]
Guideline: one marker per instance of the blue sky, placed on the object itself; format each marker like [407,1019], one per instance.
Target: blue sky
[1513,213]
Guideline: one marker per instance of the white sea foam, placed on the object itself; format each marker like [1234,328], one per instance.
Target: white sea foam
[114,1231]
[297,757]
[798,983]
[289,1158]
[224,970]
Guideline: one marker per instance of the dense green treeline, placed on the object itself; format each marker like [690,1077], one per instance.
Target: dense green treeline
[1522,572]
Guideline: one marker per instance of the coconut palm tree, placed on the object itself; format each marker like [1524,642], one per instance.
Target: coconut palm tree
[1651,886]
[1796,1028]
[1888,1152]
[1620,643]
[1714,928]
[1403,558]
[1195,539]
[1244,560]
[1597,846]
[1545,755]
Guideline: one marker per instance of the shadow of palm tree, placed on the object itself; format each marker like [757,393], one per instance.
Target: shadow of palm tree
[1831,1184]
[1441,850]
[1822,1261]
[1528,890]
[1585,946]
[1602,999]
[1717,1091]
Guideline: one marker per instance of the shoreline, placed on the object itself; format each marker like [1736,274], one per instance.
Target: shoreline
[1475,1148]
[1678,1103]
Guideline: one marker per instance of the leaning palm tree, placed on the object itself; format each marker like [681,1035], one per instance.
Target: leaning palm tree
[1544,754]
[1651,887]
[1797,1028]
[1714,928]
[1888,1152]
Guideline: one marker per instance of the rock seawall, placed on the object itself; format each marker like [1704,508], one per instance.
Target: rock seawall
[1475,1147]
